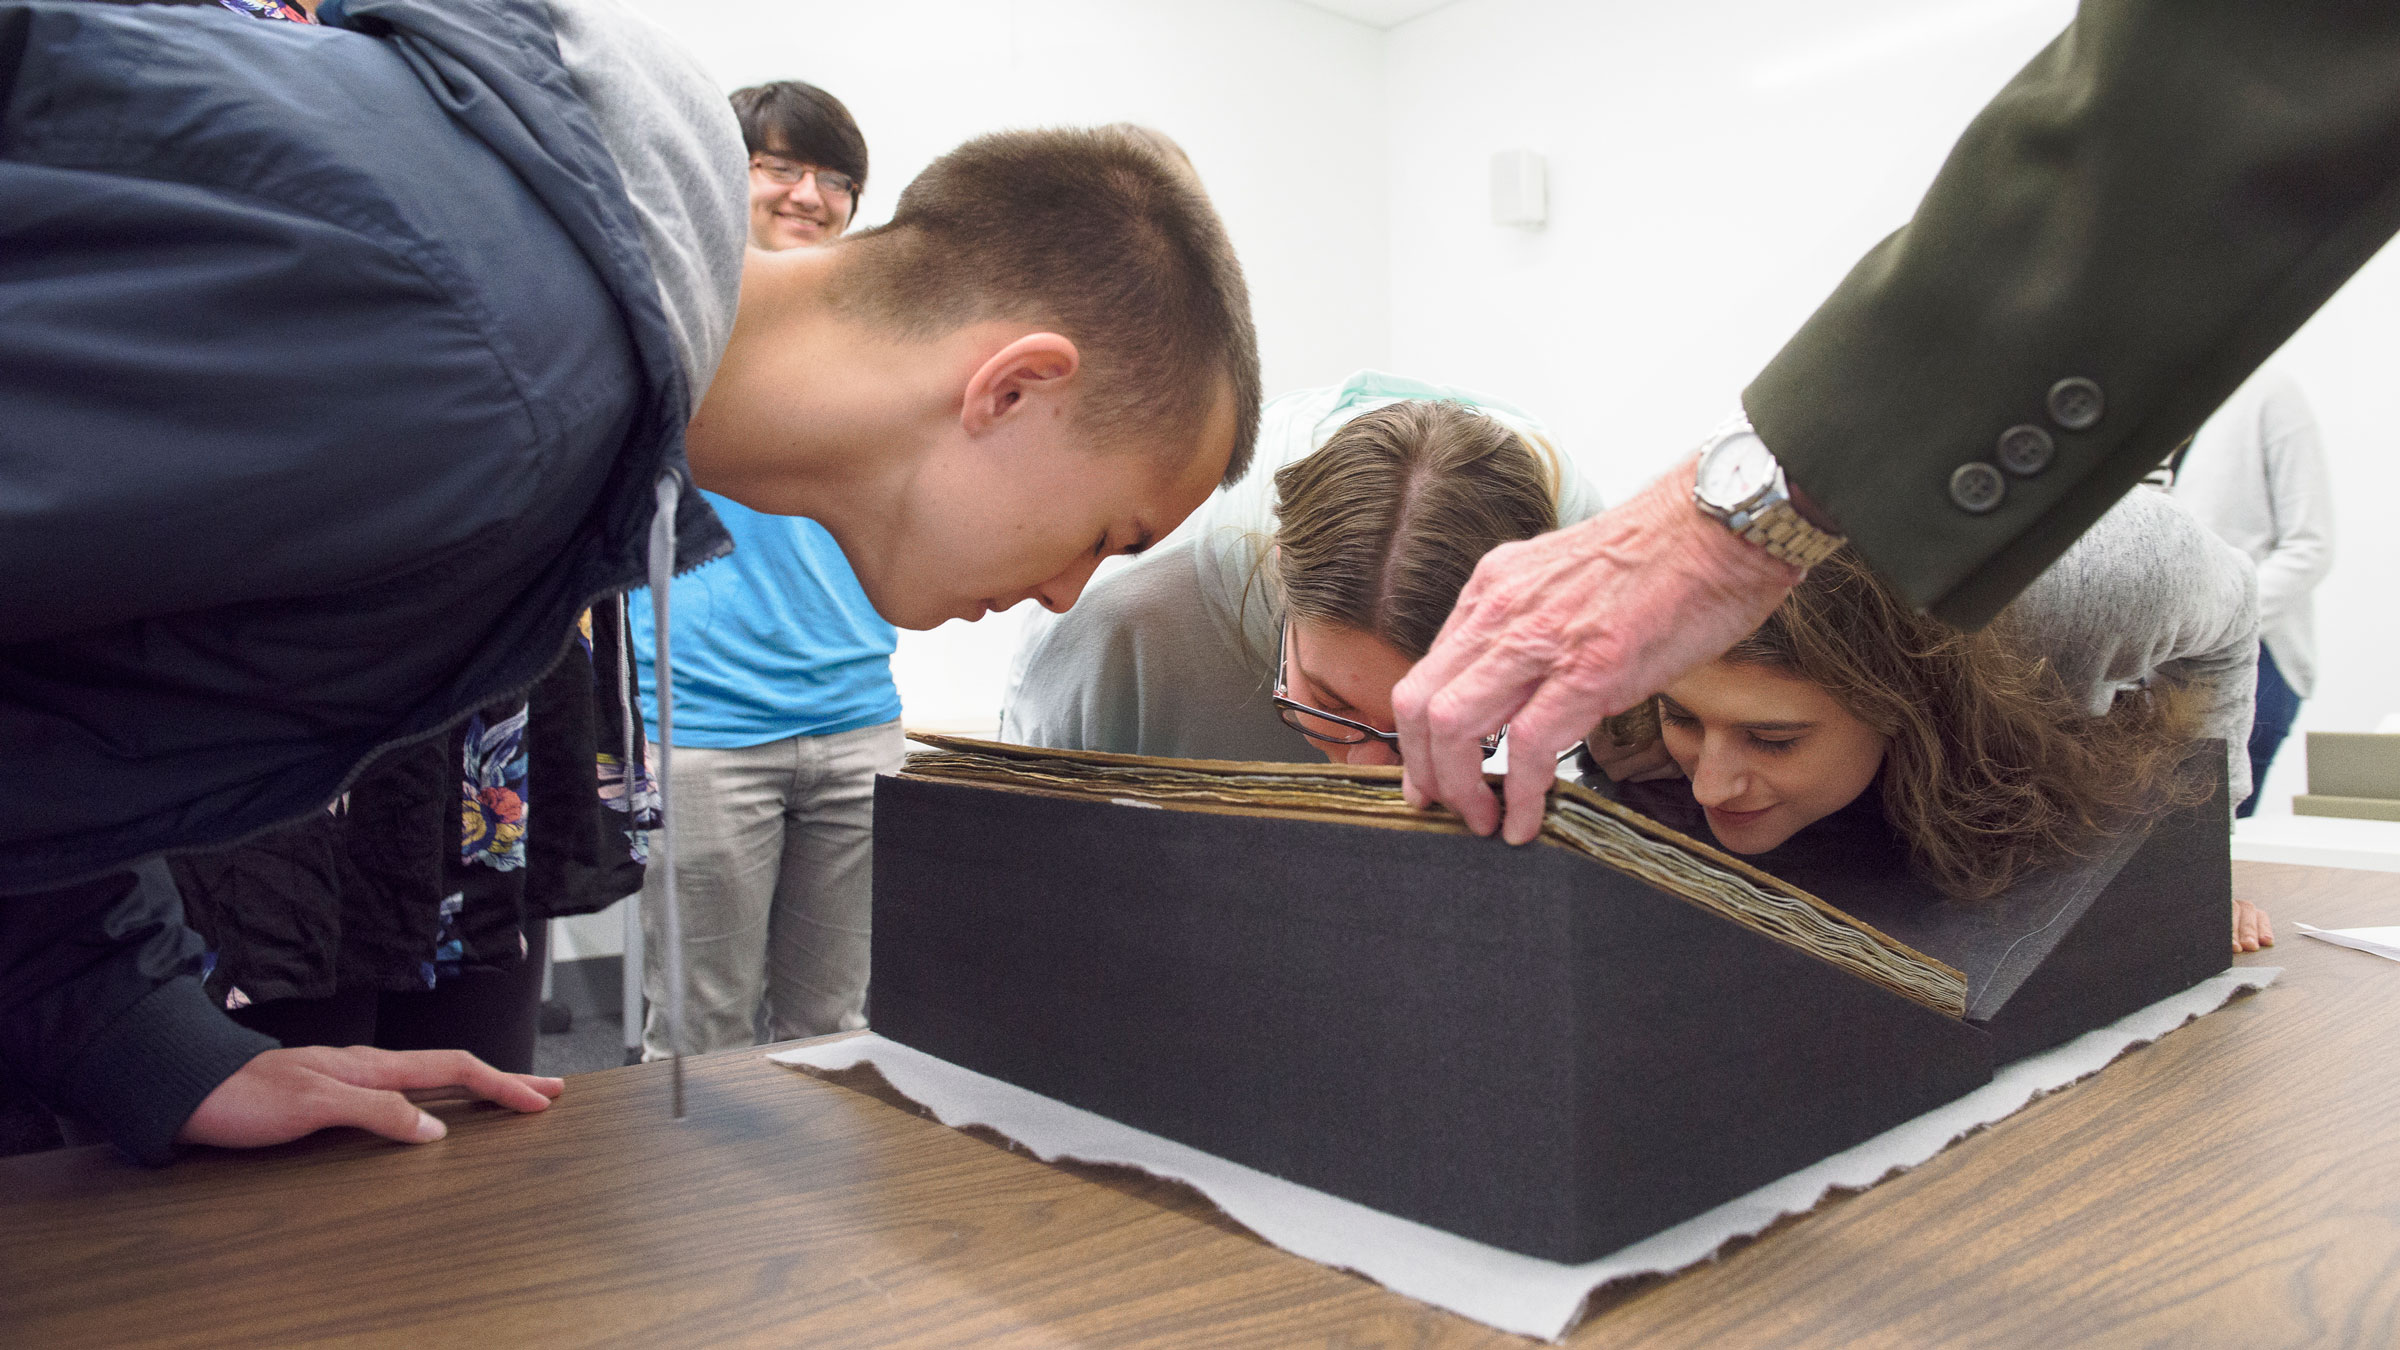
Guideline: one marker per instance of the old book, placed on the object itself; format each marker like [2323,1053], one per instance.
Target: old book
[1557,1049]
[1579,821]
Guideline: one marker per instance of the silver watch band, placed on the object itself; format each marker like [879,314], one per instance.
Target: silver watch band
[1782,532]
[1767,517]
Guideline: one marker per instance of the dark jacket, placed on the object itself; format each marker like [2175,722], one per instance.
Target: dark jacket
[2152,206]
[446,856]
[333,385]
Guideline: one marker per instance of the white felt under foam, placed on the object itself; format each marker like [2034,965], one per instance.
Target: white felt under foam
[1521,1294]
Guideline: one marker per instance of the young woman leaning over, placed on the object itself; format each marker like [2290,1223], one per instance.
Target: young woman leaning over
[1275,624]
[1982,755]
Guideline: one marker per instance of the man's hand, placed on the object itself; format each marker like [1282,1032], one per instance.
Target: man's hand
[284,1094]
[1554,633]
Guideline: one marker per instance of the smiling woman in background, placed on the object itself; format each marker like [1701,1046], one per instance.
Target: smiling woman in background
[808,163]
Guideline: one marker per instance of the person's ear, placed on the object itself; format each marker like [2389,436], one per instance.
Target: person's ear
[1037,367]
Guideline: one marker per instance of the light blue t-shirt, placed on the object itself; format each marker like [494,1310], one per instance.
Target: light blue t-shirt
[773,641]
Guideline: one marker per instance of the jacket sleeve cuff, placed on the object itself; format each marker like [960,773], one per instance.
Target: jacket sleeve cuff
[143,1075]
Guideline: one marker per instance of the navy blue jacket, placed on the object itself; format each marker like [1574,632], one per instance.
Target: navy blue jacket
[334,383]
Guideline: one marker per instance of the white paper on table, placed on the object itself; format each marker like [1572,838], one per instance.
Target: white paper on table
[1521,1294]
[2381,941]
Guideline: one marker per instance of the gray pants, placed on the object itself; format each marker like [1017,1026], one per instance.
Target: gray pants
[773,853]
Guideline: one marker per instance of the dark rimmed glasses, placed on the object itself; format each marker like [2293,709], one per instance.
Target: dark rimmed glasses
[1332,728]
[788,173]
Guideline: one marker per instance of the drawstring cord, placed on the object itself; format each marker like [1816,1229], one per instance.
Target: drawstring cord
[662,573]
[627,696]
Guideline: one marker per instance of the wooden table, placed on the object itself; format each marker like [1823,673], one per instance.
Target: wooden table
[2237,1184]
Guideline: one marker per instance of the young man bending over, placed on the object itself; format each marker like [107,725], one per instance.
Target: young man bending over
[345,461]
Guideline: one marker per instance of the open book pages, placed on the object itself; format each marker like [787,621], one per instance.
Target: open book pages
[1579,821]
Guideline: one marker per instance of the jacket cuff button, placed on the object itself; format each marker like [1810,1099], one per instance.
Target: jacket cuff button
[2026,450]
[2075,403]
[1976,487]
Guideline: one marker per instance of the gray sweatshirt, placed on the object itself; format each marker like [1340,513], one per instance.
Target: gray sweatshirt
[2149,593]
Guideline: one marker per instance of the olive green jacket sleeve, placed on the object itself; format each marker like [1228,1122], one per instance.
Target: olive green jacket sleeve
[2131,227]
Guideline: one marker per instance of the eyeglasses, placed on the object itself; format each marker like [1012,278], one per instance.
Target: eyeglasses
[788,173]
[1330,728]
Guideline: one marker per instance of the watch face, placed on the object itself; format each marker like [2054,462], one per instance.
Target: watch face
[1734,471]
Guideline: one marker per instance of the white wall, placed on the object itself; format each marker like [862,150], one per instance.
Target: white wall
[1279,104]
[2344,359]
[1715,168]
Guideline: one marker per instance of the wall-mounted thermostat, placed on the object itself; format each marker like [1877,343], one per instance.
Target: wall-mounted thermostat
[1520,189]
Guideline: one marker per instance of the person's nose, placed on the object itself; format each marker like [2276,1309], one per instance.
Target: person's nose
[805,194]
[1060,592]
[1719,777]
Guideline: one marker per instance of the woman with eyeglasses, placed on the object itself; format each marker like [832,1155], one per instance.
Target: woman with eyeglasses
[808,163]
[1274,623]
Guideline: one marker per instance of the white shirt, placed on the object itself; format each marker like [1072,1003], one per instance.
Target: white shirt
[2149,593]
[2256,476]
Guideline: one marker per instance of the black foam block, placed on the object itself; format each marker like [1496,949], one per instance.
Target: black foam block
[1518,1045]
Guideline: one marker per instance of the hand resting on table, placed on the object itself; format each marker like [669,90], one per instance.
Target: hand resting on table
[2251,930]
[284,1094]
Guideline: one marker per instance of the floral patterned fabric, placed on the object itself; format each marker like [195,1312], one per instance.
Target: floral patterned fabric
[492,793]
[444,854]
[270,9]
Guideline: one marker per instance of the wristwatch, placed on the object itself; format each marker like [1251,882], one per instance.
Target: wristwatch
[1740,484]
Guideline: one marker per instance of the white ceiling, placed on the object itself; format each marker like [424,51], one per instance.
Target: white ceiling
[1379,13]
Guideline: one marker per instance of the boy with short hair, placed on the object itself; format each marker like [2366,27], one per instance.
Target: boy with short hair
[346,462]
[1045,354]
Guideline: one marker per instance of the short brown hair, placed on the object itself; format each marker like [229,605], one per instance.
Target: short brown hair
[798,120]
[1095,231]
[1379,530]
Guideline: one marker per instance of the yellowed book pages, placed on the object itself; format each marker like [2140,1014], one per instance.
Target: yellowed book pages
[1579,821]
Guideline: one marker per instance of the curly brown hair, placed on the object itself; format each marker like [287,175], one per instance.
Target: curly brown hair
[1991,767]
